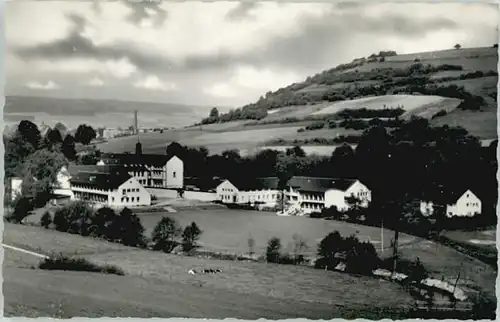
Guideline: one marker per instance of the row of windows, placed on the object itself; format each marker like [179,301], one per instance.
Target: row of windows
[223,189]
[472,204]
[127,199]
[130,190]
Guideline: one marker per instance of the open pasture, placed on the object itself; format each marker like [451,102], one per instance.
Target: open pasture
[471,59]
[148,272]
[408,102]
[428,110]
[228,231]
[482,238]
[482,124]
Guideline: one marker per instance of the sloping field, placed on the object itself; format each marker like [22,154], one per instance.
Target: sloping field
[293,111]
[242,289]
[482,124]
[408,102]
[228,230]
[471,59]
[428,110]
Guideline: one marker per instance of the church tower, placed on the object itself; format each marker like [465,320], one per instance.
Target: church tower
[138,148]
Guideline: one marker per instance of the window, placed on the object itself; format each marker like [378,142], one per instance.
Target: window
[132,199]
[138,199]
[173,174]
[123,191]
[113,199]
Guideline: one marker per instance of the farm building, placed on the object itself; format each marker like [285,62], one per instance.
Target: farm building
[466,204]
[110,186]
[161,171]
[309,193]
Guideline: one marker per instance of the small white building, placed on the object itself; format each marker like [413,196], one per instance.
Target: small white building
[14,188]
[340,190]
[174,173]
[465,205]
[227,192]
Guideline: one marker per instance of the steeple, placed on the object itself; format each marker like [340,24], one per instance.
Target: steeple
[138,147]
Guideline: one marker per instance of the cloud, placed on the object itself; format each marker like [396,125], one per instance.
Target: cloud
[153,83]
[247,78]
[50,85]
[220,90]
[234,51]
[95,82]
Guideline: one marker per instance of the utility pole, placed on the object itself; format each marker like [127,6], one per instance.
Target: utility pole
[382,236]
[395,250]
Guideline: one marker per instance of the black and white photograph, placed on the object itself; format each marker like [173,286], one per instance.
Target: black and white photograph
[250,159]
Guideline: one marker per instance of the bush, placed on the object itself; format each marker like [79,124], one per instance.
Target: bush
[439,114]
[315,126]
[75,218]
[190,236]
[46,220]
[273,250]
[361,258]
[64,263]
[165,235]
[22,209]
[415,270]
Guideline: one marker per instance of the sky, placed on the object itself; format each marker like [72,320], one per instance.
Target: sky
[214,53]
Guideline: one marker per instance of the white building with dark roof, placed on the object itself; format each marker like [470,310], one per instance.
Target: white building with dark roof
[466,204]
[153,170]
[310,194]
[109,186]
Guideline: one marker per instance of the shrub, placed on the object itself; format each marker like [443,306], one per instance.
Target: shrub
[165,235]
[251,245]
[61,262]
[439,114]
[190,236]
[361,258]
[22,209]
[315,126]
[273,250]
[75,218]
[46,220]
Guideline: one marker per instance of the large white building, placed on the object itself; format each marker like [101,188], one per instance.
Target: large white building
[109,186]
[310,194]
[156,170]
[466,204]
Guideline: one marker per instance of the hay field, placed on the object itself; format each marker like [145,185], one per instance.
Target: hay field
[409,102]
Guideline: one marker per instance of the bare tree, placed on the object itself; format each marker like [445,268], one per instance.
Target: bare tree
[299,247]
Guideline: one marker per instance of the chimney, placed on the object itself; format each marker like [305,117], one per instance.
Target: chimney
[136,127]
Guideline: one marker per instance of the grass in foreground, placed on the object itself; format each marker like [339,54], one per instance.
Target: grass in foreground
[61,262]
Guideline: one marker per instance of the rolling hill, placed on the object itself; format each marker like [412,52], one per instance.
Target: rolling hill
[432,85]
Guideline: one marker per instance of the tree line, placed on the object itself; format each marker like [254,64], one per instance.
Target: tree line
[37,158]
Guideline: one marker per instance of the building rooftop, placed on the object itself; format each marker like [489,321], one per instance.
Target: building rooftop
[157,160]
[100,180]
[311,184]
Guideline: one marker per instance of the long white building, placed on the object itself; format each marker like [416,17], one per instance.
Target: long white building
[109,186]
[310,194]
